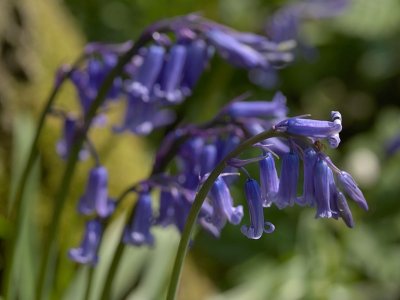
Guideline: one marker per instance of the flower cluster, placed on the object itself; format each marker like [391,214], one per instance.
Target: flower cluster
[162,74]
[324,185]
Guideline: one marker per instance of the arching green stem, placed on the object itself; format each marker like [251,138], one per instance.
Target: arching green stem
[198,202]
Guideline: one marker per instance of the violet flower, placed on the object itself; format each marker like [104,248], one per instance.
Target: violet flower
[258,109]
[352,190]
[309,160]
[323,178]
[344,210]
[166,214]
[269,180]
[286,195]
[315,129]
[87,252]
[197,58]
[238,54]
[95,199]
[222,203]
[169,86]
[147,73]
[254,202]
[64,145]
[138,231]
[142,118]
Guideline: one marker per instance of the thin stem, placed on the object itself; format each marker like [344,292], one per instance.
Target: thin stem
[105,294]
[15,209]
[89,282]
[93,152]
[198,202]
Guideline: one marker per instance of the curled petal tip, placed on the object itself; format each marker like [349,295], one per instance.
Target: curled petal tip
[269,227]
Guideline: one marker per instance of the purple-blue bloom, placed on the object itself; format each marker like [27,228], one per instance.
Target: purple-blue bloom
[166,214]
[86,253]
[238,54]
[254,202]
[198,55]
[138,231]
[88,81]
[222,203]
[316,129]
[269,180]
[352,190]
[288,182]
[323,179]
[95,199]
[142,117]
[258,109]
[344,210]
[309,160]
[208,159]
[64,145]
[169,86]
[147,73]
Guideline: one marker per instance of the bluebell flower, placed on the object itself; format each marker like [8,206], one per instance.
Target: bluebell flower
[190,157]
[142,118]
[182,205]
[224,146]
[288,182]
[147,73]
[138,231]
[169,87]
[87,252]
[208,159]
[269,180]
[181,208]
[344,210]
[64,145]
[222,204]
[323,178]
[309,160]
[89,80]
[197,58]
[255,204]
[352,190]
[316,129]
[238,54]
[95,199]
[258,109]
[166,214]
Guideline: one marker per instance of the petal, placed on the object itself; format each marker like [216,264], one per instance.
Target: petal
[288,181]
[269,180]
[87,252]
[254,202]
[352,190]
[138,232]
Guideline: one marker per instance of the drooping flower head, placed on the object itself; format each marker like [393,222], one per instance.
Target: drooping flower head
[138,231]
[95,199]
[87,252]
[255,204]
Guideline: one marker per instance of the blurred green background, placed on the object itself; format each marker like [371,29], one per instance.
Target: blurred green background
[356,71]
